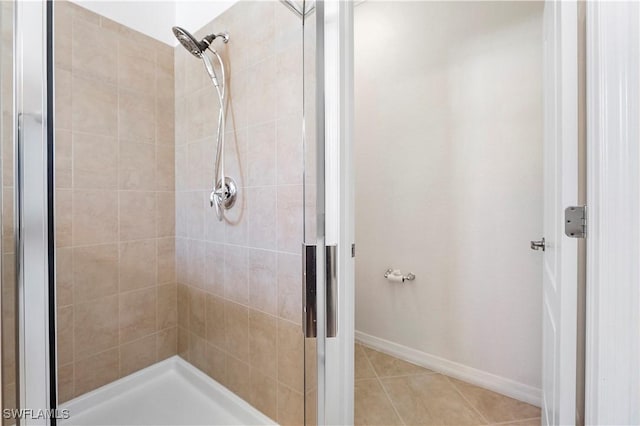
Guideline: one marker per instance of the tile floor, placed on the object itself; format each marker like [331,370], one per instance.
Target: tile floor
[389,391]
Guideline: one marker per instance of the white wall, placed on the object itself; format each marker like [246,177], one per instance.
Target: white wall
[155,18]
[193,15]
[448,128]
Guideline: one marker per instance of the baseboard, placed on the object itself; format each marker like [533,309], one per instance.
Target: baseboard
[486,380]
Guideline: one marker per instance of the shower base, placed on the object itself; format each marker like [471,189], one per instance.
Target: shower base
[171,392]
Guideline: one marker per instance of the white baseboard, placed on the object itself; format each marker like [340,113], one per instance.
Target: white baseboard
[486,380]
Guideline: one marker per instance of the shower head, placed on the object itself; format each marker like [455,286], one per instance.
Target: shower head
[194,46]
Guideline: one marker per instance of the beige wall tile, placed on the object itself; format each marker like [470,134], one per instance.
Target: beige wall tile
[165,165]
[63,216]
[94,51]
[165,117]
[290,151]
[261,204]
[115,92]
[261,86]
[137,355]
[136,116]
[167,343]
[63,155]
[216,363]
[64,276]
[65,382]
[167,306]
[198,352]
[64,322]
[289,89]
[215,322]
[236,279]
[197,312]
[95,272]
[137,264]
[290,406]
[137,312]
[196,264]
[136,67]
[263,285]
[289,287]
[95,216]
[237,230]
[214,269]
[79,12]
[289,218]
[236,323]
[264,391]
[263,331]
[63,98]
[95,162]
[137,215]
[137,170]
[95,327]
[183,343]
[94,107]
[195,203]
[96,371]
[166,260]
[166,213]
[290,355]
[63,16]
[261,155]
[183,306]
[238,377]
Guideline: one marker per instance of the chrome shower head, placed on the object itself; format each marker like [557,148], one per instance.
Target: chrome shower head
[192,44]
[189,42]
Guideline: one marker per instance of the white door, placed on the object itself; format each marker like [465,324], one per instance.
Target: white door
[560,191]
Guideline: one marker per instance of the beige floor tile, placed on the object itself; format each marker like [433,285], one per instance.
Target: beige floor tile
[493,406]
[429,399]
[372,407]
[363,367]
[388,366]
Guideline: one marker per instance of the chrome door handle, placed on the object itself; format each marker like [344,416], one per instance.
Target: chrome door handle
[537,245]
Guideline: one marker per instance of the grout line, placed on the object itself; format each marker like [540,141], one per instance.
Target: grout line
[473,407]
[383,388]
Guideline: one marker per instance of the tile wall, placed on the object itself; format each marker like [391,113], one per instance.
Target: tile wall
[115,200]
[239,281]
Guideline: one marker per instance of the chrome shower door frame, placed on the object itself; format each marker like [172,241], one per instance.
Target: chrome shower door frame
[334,210]
[33,211]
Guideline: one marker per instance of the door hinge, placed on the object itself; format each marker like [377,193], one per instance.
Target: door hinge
[353,250]
[575,221]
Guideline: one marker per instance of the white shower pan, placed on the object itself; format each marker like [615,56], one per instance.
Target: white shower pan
[171,392]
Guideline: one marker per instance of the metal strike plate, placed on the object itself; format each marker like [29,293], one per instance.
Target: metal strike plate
[575,221]
[309,302]
[332,292]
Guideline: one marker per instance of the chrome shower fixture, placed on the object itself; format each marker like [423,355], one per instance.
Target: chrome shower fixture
[225,191]
[197,48]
